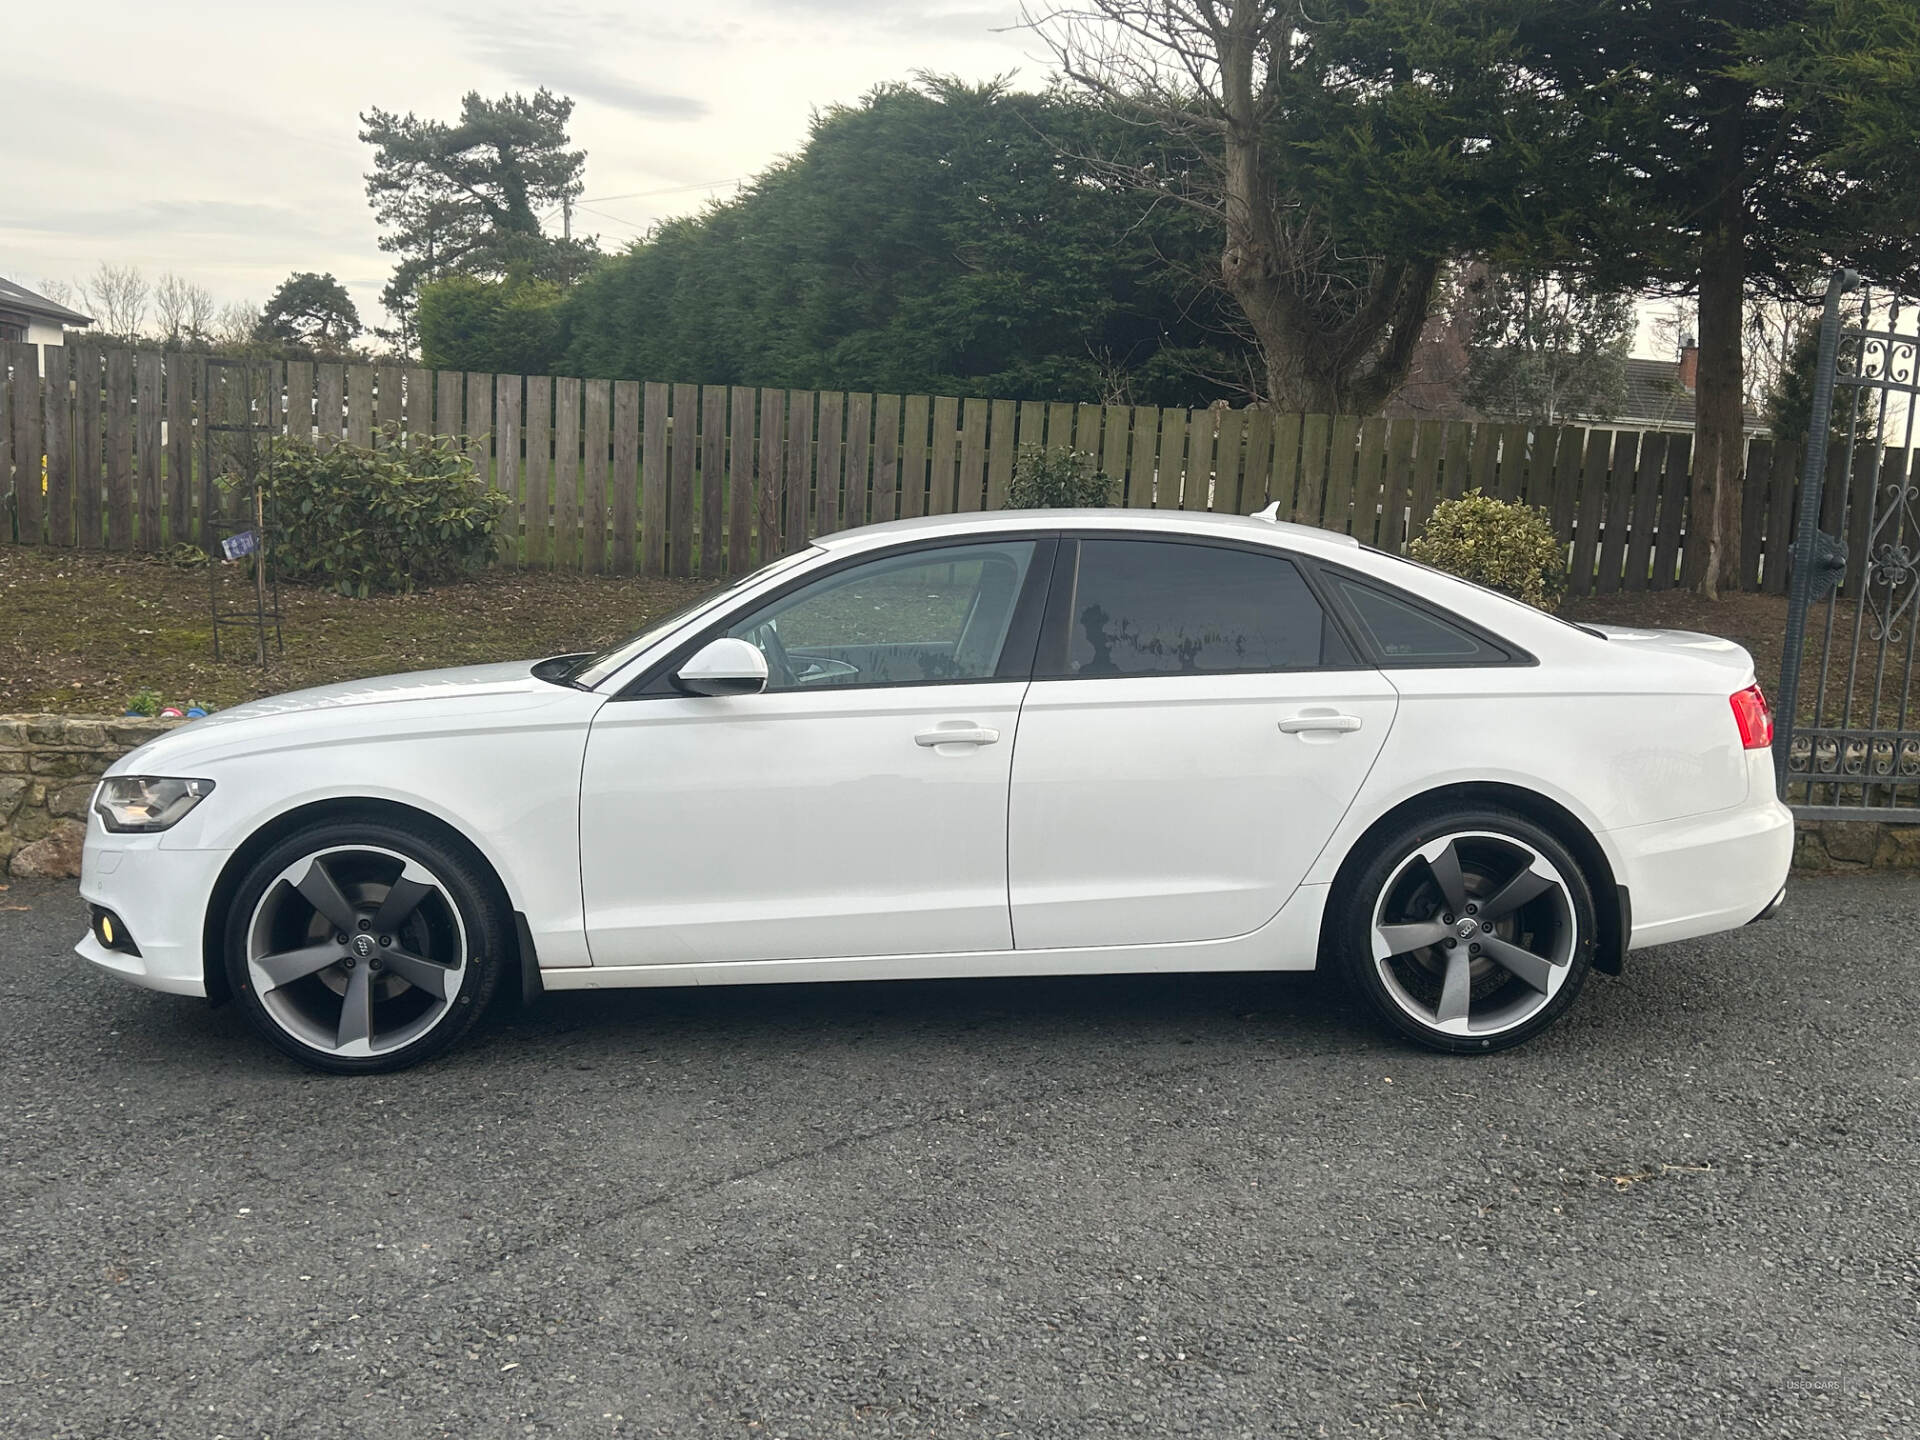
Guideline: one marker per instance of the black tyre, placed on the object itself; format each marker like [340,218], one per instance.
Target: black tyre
[1469,931]
[359,946]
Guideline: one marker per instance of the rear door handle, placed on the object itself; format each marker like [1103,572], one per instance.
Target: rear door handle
[958,735]
[1322,720]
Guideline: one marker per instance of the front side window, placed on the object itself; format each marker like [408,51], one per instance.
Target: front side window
[590,671]
[1152,607]
[925,617]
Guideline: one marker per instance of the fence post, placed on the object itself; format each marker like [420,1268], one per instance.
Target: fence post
[27,450]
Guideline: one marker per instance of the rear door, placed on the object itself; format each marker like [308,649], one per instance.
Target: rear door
[1197,726]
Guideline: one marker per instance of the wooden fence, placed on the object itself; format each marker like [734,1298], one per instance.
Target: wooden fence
[104,448]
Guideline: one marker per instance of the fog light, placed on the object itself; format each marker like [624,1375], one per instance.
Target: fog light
[111,931]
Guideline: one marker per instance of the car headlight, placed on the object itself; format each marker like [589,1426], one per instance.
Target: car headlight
[142,804]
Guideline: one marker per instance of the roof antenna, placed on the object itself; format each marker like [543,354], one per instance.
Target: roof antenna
[1271,513]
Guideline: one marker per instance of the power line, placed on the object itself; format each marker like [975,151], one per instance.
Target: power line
[617,219]
[669,190]
[588,201]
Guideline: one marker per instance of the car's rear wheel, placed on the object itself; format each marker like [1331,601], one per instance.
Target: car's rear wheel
[363,947]
[1468,932]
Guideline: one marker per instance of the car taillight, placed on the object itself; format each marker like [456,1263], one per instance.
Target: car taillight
[1754,717]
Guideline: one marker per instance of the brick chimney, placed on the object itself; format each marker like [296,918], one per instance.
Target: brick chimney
[1689,365]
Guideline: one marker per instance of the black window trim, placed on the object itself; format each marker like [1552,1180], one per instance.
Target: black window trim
[1330,578]
[1050,661]
[1016,655]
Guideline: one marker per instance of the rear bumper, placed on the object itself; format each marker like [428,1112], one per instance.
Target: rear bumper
[1706,873]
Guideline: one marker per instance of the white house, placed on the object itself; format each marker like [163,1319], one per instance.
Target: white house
[34,318]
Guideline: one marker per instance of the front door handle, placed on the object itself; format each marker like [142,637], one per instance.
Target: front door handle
[1320,720]
[958,735]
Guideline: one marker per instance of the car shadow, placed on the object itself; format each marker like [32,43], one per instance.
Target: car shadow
[1305,1010]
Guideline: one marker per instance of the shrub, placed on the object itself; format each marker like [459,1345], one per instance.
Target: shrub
[502,325]
[385,518]
[1057,480]
[1503,545]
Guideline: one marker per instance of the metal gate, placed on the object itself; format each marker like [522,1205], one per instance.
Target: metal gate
[1848,732]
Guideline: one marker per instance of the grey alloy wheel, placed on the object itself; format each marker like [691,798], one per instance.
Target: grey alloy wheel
[1473,934]
[356,951]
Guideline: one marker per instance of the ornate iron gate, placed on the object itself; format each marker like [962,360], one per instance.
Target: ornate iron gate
[1848,732]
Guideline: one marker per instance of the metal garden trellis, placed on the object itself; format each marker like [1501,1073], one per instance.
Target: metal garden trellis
[233,434]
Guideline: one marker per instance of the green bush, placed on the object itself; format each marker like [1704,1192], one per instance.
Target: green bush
[1057,480]
[1503,545]
[386,518]
[510,326]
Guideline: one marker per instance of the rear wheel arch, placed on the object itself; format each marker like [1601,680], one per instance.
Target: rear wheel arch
[234,872]
[1610,899]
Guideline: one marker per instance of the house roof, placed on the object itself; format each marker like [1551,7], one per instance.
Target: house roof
[1655,396]
[18,297]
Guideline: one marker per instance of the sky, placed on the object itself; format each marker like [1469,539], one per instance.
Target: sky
[219,141]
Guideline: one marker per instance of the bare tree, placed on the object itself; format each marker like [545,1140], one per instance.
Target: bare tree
[1337,330]
[62,292]
[234,325]
[1773,328]
[118,295]
[185,310]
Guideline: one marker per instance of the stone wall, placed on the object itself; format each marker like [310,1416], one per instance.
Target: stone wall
[1831,846]
[49,765]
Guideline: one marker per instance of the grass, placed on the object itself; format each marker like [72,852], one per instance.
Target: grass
[83,632]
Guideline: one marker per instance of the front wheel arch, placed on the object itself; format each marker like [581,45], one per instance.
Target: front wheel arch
[388,812]
[1611,901]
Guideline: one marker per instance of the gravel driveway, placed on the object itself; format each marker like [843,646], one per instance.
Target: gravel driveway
[1222,1206]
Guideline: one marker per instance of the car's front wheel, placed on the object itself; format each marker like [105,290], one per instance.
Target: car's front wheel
[358,947]
[1469,932]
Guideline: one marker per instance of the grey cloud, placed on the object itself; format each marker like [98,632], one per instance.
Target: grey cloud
[895,18]
[589,82]
[551,54]
[212,219]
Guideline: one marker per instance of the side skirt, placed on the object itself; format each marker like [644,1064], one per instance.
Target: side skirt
[1289,941]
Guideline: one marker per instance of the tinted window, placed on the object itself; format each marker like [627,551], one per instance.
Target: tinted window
[914,619]
[1408,632]
[1149,607]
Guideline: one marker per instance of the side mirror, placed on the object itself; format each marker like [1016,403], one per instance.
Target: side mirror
[724,667]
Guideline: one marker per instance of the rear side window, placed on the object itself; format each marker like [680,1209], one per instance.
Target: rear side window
[1150,607]
[1408,632]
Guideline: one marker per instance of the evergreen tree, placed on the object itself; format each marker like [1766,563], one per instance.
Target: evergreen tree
[1734,146]
[937,238]
[467,198]
[310,310]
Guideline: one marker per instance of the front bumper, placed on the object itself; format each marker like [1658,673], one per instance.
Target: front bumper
[161,896]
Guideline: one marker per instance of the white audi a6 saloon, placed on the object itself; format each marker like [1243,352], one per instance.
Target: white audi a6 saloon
[1009,744]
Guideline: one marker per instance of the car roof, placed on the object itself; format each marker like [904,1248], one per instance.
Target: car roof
[1158,522]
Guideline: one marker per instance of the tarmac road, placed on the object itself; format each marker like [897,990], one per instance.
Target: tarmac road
[1218,1206]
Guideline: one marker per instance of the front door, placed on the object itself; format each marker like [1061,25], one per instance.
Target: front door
[1196,728]
[857,807]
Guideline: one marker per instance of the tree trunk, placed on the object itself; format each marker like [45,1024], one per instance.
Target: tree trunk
[1313,369]
[1316,363]
[1719,444]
